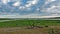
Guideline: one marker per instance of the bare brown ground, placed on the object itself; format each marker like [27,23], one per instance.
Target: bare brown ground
[24,30]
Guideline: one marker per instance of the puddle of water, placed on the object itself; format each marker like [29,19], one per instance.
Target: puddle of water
[4,20]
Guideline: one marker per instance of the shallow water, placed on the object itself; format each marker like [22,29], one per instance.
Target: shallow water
[4,20]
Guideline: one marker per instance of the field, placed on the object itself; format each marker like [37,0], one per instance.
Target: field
[19,23]
[25,27]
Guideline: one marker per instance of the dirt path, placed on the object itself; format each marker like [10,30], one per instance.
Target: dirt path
[24,30]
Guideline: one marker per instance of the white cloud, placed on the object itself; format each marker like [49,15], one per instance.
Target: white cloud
[5,1]
[29,4]
[49,1]
[34,1]
[52,0]
[27,16]
[52,11]
[16,4]
[22,7]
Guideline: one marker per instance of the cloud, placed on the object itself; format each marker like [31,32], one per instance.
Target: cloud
[5,1]
[32,9]
[16,4]
[49,1]
[53,8]
[27,16]
[29,4]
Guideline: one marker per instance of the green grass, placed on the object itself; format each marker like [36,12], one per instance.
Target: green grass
[19,23]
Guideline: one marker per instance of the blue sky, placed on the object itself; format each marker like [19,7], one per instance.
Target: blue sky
[29,8]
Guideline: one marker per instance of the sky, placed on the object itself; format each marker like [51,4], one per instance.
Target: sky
[29,8]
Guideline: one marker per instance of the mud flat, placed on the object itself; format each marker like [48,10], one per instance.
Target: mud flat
[24,30]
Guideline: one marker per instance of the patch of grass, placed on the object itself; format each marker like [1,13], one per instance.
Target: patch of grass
[19,23]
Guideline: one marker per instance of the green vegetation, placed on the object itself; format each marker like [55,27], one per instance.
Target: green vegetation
[19,23]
